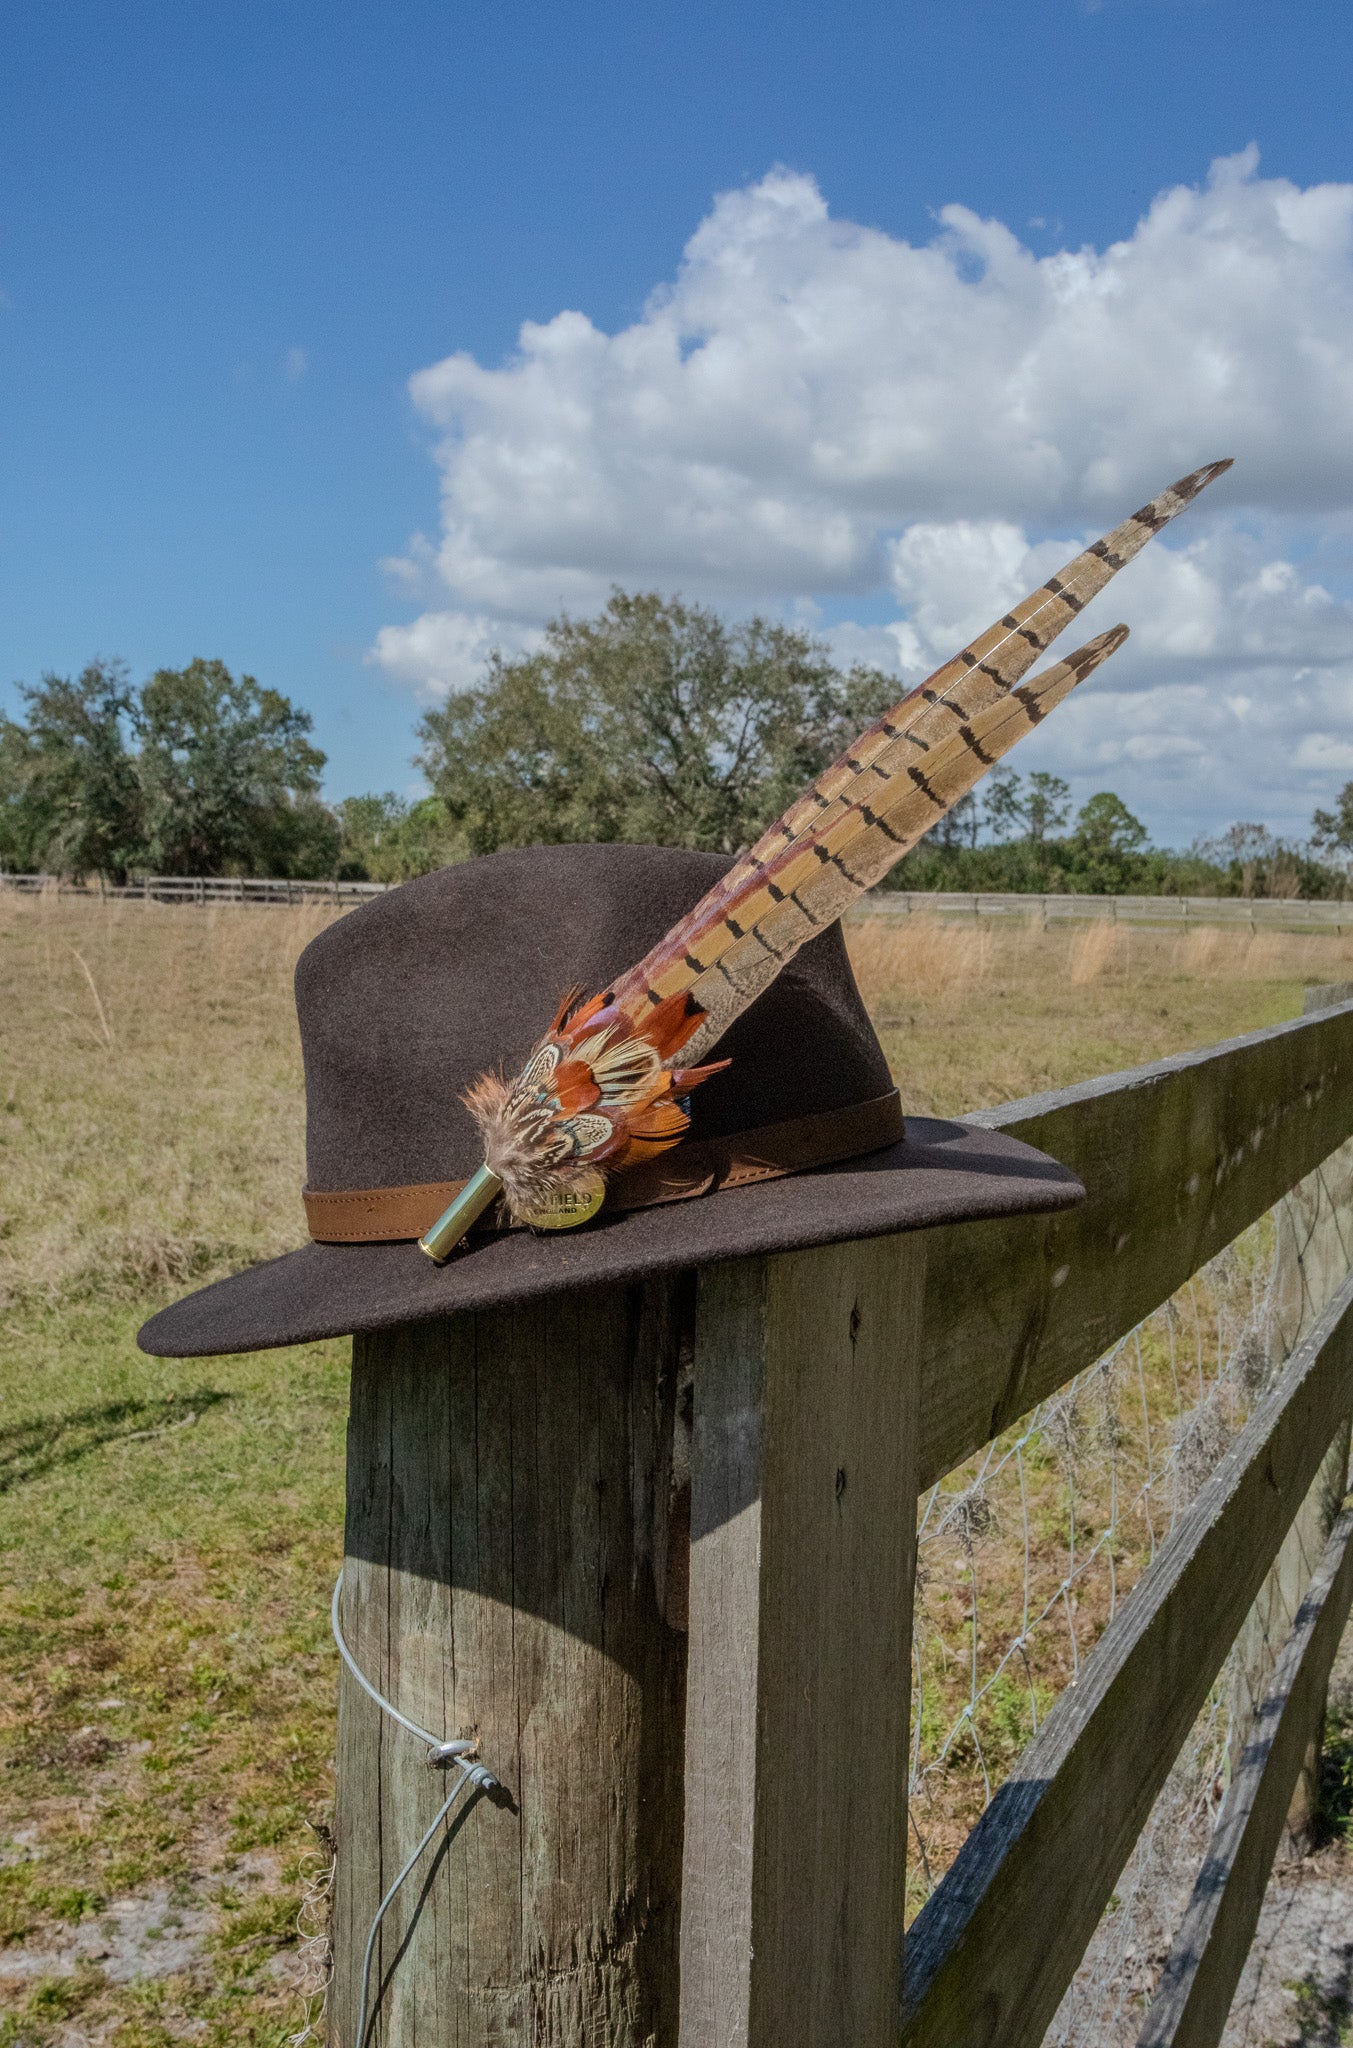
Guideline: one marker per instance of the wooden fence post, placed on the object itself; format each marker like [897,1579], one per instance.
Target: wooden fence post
[1314,1257]
[508,1483]
[803,1545]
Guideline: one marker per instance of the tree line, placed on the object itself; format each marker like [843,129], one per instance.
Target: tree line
[197,772]
[656,721]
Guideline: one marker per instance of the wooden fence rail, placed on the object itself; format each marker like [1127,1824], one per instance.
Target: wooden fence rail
[1194,1996]
[993,1951]
[1179,1157]
[517,1557]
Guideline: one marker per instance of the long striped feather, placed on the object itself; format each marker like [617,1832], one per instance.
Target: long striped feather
[604,1088]
[808,883]
[896,750]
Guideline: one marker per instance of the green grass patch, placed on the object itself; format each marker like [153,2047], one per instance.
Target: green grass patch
[168,1540]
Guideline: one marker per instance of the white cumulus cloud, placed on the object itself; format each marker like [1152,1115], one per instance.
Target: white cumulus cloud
[446,651]
[815,410]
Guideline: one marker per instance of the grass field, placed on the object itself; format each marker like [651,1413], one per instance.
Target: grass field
[169,1533]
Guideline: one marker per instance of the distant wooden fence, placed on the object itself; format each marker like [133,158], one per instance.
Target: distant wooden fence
[199,889]
[1258,913]
[710,1849]
[1250,913]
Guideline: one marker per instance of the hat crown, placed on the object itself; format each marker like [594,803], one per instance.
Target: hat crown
[405,1002]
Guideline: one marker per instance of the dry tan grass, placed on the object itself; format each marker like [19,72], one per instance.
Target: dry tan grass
[151,1110]
[1097,950]
[918,956]
[1201,952]
[975,1014]
[151,1117]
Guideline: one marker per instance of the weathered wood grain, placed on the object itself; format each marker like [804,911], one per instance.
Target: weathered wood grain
[1193,1998]
[995,1947]
[1178,1158]
[504,1487]
[1314,1254]
[802,1559]
[508,1499]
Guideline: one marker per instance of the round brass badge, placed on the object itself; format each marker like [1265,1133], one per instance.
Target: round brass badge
[568,1207]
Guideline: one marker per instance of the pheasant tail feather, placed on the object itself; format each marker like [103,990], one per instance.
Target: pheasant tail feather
[808,883]
[899,749]
[603,1088]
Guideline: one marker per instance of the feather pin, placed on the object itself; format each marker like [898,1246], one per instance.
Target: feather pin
[602,1089]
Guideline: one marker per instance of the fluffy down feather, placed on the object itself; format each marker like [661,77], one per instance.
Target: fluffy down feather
[595,1094]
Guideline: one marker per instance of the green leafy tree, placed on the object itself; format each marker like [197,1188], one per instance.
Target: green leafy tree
[296,835]
[1002,803]
[387,839]
[18,854]
[428,839]
[368,834]
[69,791]
[1047,806]
[1332,831]
[230,777]
[1107,846]
[654,722]
[1258,863]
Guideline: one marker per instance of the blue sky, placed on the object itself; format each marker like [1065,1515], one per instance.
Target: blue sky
[230,236]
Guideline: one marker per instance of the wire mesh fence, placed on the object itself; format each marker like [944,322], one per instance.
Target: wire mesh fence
[1024,1556]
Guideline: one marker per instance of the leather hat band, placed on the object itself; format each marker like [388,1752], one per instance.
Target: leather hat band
[702,1166]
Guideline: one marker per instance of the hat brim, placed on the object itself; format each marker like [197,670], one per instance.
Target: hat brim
[942,1172]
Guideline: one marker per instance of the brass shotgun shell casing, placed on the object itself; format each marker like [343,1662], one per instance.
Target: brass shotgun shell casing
[441,1239]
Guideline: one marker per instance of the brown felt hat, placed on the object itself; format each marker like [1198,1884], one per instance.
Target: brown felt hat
[405,1002]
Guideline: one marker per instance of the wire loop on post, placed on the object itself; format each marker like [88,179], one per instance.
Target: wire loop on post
[441,1755]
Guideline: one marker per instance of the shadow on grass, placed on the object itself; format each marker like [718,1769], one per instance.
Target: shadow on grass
[30,1449]
[1323,2012]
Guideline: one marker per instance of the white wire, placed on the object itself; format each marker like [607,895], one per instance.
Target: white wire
[438,1752]
[456,1754]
